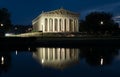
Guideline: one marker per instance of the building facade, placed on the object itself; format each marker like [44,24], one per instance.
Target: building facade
[60,20]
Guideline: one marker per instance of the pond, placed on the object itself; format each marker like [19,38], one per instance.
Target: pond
[60,62]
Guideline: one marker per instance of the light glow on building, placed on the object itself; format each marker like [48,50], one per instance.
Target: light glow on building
[10,35]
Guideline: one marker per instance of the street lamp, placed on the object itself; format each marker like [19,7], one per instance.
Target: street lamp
[16,28]
[101,23]
[1,24]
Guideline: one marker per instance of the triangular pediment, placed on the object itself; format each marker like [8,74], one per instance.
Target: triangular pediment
[61,11]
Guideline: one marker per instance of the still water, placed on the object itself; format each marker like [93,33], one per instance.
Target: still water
[60,62]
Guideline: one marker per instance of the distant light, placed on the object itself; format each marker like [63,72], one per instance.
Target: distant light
[2,59]
[28,49]
[1,25]
[101,62]
[29,29]
[16,28]
[101,22]
[42,61]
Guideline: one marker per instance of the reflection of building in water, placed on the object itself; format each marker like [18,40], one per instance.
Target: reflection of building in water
[57,57]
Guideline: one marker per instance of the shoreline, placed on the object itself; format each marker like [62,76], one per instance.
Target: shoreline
[57,41]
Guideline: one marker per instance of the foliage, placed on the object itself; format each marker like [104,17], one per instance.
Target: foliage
[5,20]
[17,29]
[99,23]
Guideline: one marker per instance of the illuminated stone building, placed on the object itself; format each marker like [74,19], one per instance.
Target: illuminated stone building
[60,20]
[58,58]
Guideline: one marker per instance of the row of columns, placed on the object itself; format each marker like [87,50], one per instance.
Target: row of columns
[58,53]
[60,25]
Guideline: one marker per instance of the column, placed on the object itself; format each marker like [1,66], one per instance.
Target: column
[68,25]
[48,25]
[63,24]
[73,25]
[77,26]
[58,26]
[53,25]
[45,23]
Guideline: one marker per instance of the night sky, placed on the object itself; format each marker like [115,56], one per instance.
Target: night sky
[24,11]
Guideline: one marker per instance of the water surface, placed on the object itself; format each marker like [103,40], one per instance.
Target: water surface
[60,62]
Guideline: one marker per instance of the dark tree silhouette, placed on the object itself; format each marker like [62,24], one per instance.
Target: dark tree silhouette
[5,22]
[99,23]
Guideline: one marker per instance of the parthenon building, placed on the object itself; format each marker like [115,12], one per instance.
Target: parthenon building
[60,20]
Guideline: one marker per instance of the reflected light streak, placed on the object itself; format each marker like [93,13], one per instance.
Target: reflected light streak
[28,49]
[101,62]
[16,52]
[2,59]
